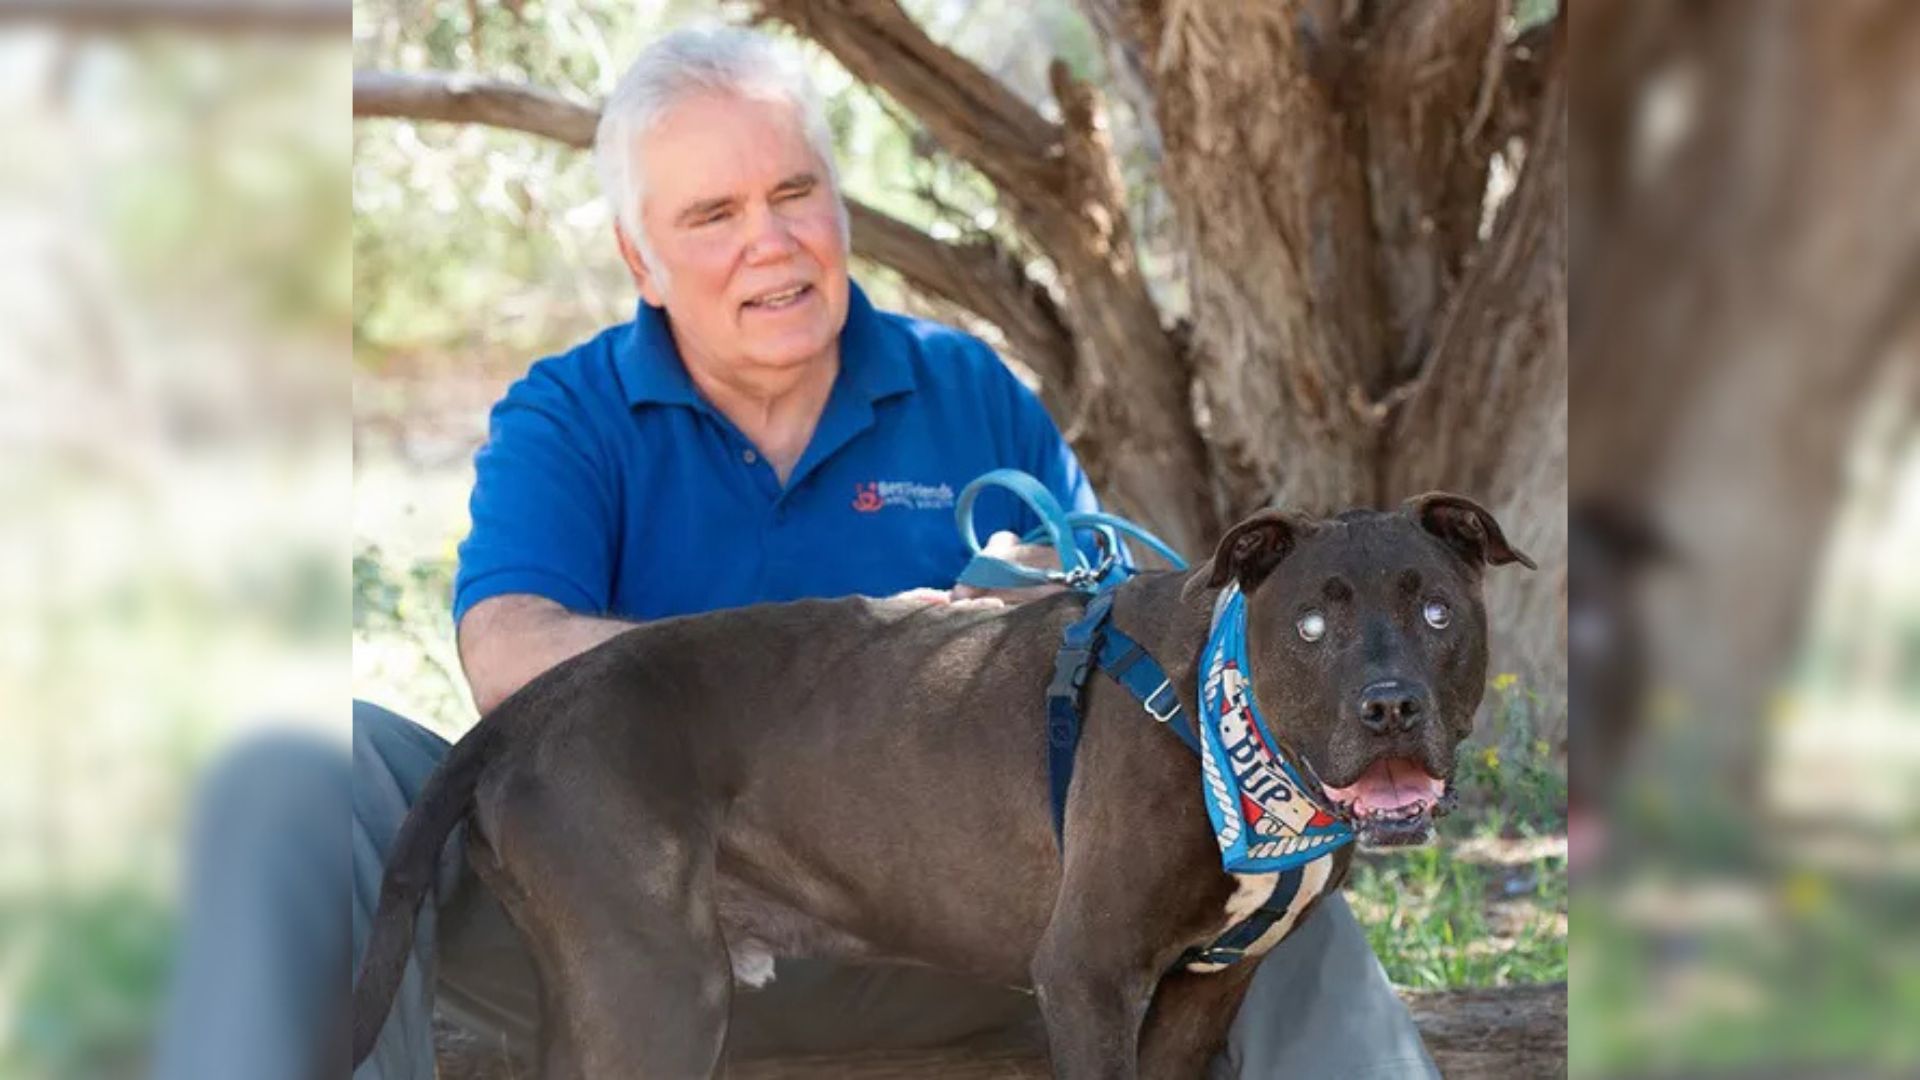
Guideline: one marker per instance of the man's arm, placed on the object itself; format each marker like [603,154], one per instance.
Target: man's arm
[505,641]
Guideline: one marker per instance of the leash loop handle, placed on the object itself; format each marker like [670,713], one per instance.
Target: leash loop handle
[1057,528]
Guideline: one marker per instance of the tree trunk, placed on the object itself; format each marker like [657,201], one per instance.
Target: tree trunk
[1358,341]
[1761,269]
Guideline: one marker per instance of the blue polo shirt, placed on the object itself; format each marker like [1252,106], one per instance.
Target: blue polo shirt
[609,485]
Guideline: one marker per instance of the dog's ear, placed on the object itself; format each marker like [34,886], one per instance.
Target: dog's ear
[1251,549]
[1466,527]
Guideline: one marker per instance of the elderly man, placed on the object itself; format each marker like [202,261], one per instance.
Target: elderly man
[758,432]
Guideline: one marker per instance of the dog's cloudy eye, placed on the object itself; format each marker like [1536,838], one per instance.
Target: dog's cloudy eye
[1437,614]
[1313,626]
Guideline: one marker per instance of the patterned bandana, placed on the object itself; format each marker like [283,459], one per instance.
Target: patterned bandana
[1265,817]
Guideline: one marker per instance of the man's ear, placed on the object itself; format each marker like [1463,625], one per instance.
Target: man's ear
[643,278]
[1251,549]
[1466,527]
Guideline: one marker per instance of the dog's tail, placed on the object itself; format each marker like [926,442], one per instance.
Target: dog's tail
[411,865]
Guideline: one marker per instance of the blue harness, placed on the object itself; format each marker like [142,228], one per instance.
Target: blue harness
[1093,640]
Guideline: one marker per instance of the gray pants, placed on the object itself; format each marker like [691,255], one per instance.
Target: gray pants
[1319,1007]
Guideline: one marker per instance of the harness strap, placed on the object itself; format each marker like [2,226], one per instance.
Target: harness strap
[1231,946]
[1129,663]
[1091,640]
[1070,666]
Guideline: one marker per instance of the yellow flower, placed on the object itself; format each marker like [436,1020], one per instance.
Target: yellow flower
[1491,756]
[1505,681]
[1783,708]
[1806,893]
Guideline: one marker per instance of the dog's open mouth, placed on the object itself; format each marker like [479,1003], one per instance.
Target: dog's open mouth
[1393,803]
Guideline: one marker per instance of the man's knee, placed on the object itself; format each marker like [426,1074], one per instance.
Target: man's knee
[386,744]
[392,759]
[270,787]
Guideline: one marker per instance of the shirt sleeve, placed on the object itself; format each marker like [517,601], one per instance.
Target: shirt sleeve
[544,507]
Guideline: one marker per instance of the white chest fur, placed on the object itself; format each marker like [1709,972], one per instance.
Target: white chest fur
[1251,891]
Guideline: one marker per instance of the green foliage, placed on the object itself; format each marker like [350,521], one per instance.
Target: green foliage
[404,651]
[87,972]
[1508,777]
[236,201]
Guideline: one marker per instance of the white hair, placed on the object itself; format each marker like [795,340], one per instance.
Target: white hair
[686,64]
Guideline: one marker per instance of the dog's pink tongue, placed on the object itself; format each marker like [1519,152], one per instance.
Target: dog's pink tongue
[1390,784]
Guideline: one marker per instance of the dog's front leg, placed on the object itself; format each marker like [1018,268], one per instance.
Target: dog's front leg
[1188,1022]
[1093,1010]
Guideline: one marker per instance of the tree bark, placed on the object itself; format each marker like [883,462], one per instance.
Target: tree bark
[1762,260]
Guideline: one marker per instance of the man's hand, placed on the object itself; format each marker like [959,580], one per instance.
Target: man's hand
[1007,546]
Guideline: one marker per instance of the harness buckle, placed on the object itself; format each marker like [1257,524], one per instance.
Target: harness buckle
[1170,709]
[1070,669]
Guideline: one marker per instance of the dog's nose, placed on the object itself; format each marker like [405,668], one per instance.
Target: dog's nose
[1389,705]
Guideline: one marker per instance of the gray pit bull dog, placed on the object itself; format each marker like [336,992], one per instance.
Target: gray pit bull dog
[867,779]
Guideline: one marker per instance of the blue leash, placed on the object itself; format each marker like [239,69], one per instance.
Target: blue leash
[1057,528]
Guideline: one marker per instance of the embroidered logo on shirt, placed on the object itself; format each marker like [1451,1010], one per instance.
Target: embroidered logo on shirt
[877,495]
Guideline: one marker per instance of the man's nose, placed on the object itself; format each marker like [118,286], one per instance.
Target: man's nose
[771,236]
[1391,705]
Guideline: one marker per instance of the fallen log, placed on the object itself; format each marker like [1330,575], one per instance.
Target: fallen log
[1503,1033]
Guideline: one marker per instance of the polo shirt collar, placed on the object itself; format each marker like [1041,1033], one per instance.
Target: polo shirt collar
[652,372]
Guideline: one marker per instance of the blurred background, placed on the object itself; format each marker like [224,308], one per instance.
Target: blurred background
[175,314]
[1745,519]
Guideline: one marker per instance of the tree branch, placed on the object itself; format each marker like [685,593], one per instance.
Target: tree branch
[1500,343]
[982,278]
[969,111]
[978,276]
[461,99]
[203,16]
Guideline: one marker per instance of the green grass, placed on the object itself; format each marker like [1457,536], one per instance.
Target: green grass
[1439,921]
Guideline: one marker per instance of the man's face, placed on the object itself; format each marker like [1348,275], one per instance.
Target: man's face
[745,232]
